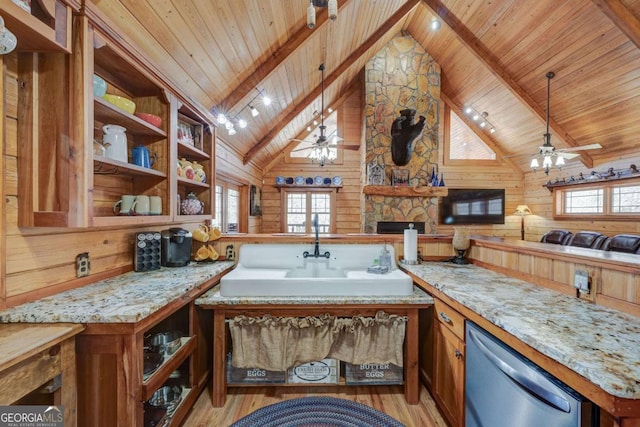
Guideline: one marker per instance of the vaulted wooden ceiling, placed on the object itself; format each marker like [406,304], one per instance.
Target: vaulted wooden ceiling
[494,56]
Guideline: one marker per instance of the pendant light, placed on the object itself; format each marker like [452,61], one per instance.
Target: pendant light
[311,15]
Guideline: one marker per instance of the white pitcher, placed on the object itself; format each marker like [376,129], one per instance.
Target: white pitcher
[115,141]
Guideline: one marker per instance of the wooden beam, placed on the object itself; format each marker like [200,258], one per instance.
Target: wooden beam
[475,46]
[279,56]
[288,115]
[474,128]
[622,18]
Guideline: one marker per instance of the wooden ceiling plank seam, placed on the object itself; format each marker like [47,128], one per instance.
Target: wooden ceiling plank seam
[477,48]
[453,105]
[266,68]
[286,117]
[622,18]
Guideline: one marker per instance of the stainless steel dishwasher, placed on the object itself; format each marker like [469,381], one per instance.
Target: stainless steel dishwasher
[505,389]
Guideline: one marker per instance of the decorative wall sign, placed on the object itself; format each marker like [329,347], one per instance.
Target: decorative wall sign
[400,177]
[375,174]
[255,202]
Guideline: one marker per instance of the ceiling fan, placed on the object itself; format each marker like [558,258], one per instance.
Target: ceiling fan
[323,148]
[547,151]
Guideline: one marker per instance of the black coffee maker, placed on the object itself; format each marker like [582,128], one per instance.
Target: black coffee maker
[176,247]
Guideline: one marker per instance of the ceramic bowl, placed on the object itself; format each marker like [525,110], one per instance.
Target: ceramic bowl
[152,119]
[99,86]
[121,102]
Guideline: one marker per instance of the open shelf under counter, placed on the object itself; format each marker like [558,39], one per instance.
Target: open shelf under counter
[393,191]
[106,165]
[170,364]
[106,112]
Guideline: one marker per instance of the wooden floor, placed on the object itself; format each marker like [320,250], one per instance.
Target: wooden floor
[244,400]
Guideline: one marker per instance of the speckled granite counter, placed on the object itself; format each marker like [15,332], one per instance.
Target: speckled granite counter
[126,298]
[213,297]
[601,344]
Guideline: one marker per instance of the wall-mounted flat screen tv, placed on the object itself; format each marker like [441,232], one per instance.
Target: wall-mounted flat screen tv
[472,206]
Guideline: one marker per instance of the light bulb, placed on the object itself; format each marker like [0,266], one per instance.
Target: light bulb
[534,163]
[222,119]
[493,130]
[266,100]
[311,16]
[476,117]
[308,128]
[483,124]
[468,110]
[242,123]
[547,162]
[330,110]
[333,9]
[254,111]
[315,123]
[560,161]
[228,125]
[435,24]
[232,131]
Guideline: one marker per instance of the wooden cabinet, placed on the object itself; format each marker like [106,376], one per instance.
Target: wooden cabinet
[65,178]
[449,351]
[46,28]
[113,387]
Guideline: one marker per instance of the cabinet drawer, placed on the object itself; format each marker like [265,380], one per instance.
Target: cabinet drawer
[450,318]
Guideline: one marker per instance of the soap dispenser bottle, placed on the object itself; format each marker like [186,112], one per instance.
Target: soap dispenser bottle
[385,258]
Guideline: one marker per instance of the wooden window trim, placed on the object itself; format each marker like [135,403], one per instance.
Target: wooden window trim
[558,202]
[446,124]
[283,202]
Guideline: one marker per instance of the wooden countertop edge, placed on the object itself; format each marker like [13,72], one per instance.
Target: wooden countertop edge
[616,406]
[268,308]
[61,332]
[330,238]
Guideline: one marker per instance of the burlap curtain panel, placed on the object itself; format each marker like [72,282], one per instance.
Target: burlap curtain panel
[279,343]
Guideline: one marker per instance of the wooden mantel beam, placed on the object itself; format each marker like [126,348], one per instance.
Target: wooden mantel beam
[290,114]
[622,18]
[475,46]
[278,57]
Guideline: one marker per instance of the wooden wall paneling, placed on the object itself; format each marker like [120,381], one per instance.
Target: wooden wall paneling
[4,134]
[619,285]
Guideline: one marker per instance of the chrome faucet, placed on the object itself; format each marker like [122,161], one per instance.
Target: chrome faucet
[316,250]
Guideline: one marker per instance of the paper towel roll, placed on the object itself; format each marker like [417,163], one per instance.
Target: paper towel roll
[410,245]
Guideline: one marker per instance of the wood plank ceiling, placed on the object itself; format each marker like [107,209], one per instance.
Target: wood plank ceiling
[494,56]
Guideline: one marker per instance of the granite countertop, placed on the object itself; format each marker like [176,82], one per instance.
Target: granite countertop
[126,298]
[599,343]
[213,297]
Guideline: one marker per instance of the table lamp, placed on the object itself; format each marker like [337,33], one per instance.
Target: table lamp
[522,210]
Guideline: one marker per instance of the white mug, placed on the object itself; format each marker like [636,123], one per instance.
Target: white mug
[155,205]
[125,205]
[142,205]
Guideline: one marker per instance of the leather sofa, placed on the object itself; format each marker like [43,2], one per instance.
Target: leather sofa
[587,239]
[557,237]
[628,243]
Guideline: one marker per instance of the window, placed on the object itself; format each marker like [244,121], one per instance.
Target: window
[462,144]
[602,201]
[301,152]
[300,207]
[230,199]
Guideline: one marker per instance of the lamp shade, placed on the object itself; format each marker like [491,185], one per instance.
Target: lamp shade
[522,210]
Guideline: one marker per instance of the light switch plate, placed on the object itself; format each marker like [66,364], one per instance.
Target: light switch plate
[581,280]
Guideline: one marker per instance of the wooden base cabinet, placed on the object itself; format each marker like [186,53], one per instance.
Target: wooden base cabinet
[113,383]
[449,351]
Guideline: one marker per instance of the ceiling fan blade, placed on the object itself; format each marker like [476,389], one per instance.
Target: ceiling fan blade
[301,149]
[580,148]
[566,155]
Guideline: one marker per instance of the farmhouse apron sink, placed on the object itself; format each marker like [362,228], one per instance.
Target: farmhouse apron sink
[308,270]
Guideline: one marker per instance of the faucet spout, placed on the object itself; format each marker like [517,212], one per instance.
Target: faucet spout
[316,246]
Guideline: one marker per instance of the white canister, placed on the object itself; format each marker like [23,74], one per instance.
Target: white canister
[115,142]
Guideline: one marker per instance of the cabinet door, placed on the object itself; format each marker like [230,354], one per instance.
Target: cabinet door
[449,375]
[426,354]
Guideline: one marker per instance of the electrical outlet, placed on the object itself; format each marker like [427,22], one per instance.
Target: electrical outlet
[581,281]
[83,265]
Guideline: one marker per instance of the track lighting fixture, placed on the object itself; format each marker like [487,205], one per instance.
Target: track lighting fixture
[480,118]
[230,121]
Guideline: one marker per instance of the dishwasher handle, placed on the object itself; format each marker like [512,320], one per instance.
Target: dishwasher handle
[546,396]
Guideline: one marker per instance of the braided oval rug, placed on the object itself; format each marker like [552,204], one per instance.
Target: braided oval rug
[317,412]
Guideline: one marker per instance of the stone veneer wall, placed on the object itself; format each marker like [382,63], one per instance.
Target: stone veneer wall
[402,75]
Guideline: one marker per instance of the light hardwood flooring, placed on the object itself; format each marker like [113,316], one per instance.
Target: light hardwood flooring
[242,401]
